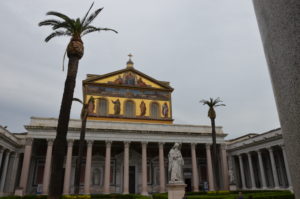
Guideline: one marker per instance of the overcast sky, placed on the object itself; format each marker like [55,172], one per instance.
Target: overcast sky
[204,48]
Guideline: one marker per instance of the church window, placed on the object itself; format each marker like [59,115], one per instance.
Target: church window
[102,107]
[154,110]
[129,109]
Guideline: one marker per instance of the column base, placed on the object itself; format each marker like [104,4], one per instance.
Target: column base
[176,191]
[19,192]
[145,193]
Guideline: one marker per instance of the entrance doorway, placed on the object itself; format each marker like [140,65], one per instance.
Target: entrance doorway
[188,183]
[131,179]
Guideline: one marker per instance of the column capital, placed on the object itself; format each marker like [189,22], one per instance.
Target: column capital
[161,144]
[70,142]
[258,152]
[126,144]
[50,141]
[270,149]
[28,141]
[90,143]
[249,154]
[282,146]
[207,146]
[108,143]
[194,144]
[223,146]
[144,143]
[1,149]
[240,155]
[16,154]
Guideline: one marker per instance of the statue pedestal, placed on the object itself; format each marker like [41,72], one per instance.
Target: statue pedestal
[176,191]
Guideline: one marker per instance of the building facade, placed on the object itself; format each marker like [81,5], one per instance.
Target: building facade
[258,161]
[129,133]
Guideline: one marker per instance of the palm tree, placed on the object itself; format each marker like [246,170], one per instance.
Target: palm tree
[212,103]
[84,115]
[75,28]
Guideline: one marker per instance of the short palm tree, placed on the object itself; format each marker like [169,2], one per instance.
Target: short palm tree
[212,103]
[76,29]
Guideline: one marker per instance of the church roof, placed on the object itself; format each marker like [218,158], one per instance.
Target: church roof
[92,77]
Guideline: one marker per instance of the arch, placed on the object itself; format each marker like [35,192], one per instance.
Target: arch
[102,107]
[154,110]
[129,108]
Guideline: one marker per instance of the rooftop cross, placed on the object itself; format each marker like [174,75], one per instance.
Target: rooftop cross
[130,62]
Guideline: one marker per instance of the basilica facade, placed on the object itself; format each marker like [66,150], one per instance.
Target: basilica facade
[129,133]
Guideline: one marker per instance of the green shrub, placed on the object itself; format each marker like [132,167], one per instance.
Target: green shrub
[160,196]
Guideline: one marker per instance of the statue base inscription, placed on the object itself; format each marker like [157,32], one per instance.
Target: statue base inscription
[176,191]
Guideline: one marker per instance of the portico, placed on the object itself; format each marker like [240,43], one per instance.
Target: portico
[122,157]
[259,162]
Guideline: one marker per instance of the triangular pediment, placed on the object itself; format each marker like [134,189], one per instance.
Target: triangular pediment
[128,77]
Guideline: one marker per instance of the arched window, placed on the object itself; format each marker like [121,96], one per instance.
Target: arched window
[102,110]
[154,110]
[129,109]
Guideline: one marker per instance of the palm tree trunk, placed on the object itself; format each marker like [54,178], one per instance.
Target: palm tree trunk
[80,152]
[60,142]
[215,156]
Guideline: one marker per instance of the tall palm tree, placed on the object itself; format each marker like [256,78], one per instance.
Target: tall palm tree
[84,115]
[212,103]
[75,28]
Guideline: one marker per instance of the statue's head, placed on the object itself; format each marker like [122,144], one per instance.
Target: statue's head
[176,146]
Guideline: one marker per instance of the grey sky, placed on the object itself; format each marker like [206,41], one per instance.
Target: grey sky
[205,48]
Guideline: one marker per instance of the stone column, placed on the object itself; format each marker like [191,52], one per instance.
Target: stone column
[68,169]
[88,165]
[242,172]
[107,168]
[144,169]
[14,169]
[262,171]
[1,155]
[274,170]
[25,166]
[253,186]
[287,167]
[126,168]
[162,181]
[47,168]
[4,171]
[210,176]
[224,165]
[279,27]
[194,168]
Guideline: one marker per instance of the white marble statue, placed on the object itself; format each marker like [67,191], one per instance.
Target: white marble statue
[175,165]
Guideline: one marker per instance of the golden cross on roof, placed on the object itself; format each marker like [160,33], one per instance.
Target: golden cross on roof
[130,55]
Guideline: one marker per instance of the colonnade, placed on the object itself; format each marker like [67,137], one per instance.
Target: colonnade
[107,167]
[8,174]
[262,177]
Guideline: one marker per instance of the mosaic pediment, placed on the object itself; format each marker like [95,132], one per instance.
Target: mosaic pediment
[129,78]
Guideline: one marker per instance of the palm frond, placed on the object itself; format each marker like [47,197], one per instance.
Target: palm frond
[84,18]
[64,24]
[56,34]
[92,17]
[60,15]
[77,100]
[95,29]
[50,22]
